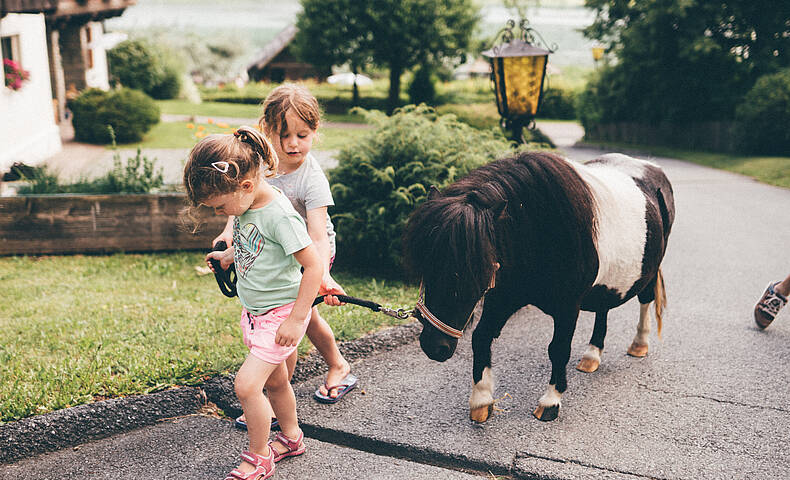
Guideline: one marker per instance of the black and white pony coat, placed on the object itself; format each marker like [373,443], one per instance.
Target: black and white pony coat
[537,229]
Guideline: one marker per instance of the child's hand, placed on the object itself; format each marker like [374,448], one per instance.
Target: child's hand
[225,258]
[225,236]
[329,287]
[289,333]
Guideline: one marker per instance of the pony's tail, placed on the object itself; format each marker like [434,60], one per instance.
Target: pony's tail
[660,299]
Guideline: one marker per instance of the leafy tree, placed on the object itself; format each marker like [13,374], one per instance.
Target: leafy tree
[394,34]
[684,60]
[333,33]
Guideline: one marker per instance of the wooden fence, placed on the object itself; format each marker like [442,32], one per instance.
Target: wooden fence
[54,224]
[703,136]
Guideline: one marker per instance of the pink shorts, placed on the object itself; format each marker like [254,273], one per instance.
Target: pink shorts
[259,332]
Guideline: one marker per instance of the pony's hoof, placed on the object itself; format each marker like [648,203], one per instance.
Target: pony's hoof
[637,350]
[588,365]
[547,414]
[481,414]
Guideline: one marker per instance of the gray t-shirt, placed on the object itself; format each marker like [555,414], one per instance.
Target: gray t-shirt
[307,188]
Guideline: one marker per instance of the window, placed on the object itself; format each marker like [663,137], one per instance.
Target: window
[10,47]
[9,50]
[13,74]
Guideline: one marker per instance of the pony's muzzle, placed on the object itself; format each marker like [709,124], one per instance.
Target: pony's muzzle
[437,347]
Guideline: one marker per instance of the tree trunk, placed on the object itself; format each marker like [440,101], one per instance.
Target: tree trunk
[355,89]
[393,101]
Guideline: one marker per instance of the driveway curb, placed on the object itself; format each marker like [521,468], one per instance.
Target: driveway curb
[71,427]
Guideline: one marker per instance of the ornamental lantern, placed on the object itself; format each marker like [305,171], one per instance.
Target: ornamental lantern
[518,67]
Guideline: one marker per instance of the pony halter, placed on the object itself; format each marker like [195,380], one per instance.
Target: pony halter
[433,320]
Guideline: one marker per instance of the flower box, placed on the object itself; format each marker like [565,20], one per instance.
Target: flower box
[57,224]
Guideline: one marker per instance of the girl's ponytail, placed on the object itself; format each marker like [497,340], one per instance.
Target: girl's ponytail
[268,160]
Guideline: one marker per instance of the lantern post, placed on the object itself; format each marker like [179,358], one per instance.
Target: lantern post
[518,68]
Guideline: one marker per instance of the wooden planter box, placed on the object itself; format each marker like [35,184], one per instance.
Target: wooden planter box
[47,224]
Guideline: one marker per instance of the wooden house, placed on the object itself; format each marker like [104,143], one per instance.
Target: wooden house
[277,63]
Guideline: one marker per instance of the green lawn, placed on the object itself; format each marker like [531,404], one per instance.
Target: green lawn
[234,110]
[766,169]
[184,135]
[770,170]
[82,328]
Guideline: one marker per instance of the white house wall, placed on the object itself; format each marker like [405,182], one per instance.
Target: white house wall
[97,77]
[28,132]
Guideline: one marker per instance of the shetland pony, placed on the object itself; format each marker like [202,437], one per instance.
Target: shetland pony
[537,229]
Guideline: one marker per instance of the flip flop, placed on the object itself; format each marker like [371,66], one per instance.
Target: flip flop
[241,424]
[345,386]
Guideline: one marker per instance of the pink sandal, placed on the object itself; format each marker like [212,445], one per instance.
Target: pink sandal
[295,447]
[264,467]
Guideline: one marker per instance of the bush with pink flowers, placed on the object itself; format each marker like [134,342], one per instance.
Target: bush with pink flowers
[15,75]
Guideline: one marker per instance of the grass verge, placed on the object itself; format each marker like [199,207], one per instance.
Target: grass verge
[766,169]
[77,329]
[186,134]
[235,110]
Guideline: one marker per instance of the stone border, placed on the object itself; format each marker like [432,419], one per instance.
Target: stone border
[73,426]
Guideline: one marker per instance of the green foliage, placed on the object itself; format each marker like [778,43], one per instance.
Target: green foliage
[140,65]
[394,34]
[130,113]
[483,116]
[422,88]
[137,175]
[764,115]
[384,176]
[558,104]
[333,32]
[682,61]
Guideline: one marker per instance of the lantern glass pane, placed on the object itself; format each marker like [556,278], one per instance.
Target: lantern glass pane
[523,81]
[501,103]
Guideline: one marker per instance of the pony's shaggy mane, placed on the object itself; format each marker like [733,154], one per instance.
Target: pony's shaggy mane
[471,224]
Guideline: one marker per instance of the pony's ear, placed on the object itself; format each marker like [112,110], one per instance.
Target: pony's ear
[433,192]
[499,210]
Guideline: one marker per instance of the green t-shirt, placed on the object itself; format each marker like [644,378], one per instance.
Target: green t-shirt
[265,240]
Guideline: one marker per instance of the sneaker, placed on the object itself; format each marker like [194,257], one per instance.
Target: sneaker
[769,305]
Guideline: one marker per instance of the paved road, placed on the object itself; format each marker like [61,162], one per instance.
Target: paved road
[709,402]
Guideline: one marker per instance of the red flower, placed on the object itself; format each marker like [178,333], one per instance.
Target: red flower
[15,75]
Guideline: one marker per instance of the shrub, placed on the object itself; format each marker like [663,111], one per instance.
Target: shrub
[764,115]
[130,113]
[386,174]
[422,88]
[558,104]
[137,175]
[141,66]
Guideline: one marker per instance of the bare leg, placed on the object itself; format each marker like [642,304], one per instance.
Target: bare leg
[283,402]
[250,379]
[290,365]
[783,287]
[320,334]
